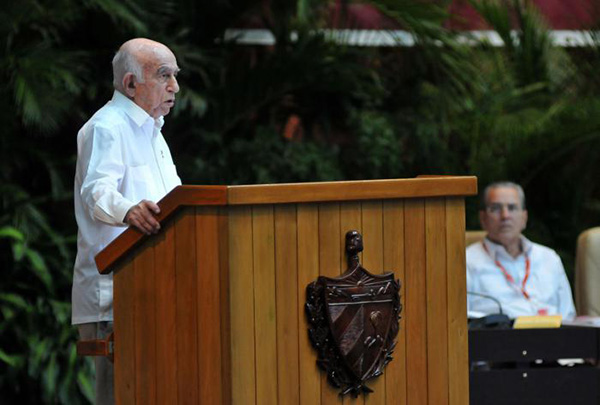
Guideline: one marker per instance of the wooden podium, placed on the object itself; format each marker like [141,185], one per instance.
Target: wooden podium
[211,309]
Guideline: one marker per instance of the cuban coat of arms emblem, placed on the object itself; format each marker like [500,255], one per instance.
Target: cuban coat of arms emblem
[353,322]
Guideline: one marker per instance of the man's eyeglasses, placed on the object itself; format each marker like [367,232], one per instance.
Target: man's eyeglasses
[497,208]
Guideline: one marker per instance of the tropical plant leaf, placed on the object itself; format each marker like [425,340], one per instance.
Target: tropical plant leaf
[11,360]
[14,300]
[127,12]
[12,233]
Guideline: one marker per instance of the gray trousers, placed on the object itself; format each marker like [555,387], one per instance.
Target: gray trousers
[104,368]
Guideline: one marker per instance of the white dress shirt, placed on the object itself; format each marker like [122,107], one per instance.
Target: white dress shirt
[122,158]
[547,286]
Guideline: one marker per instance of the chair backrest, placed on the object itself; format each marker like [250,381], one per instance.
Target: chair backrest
[587,273]
[474,236]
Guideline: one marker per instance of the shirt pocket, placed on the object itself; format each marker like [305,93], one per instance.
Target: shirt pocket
[139,184]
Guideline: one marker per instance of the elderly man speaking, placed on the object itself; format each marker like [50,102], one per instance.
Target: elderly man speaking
[123,167]
[525,277]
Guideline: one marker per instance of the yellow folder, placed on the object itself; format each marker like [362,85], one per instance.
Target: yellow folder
[538,321]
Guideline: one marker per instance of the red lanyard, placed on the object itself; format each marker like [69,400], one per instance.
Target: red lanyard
[508,277]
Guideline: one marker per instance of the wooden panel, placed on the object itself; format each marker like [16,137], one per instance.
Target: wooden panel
[289,193]
[458,356]
[288,311]
[330,237]
[254,369]
[209,300]
[350,219]
[416,294]
[224,274]
[166,331]
[187,308]
[243,373]
[124,330]
[178,197]
[352,190]
[428,186]
[308,271]
[145,324]
[264,304]
[329,265]
[372,213]
[437,306]
[393,260]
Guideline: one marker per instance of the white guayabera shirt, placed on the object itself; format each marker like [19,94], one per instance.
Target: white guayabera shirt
[547,288]
[122,158]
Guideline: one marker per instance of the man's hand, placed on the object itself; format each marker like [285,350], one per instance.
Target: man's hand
[142,217]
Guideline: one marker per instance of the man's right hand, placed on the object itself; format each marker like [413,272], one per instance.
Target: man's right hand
[142,216]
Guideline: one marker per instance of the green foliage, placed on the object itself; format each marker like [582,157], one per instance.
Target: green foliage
[269,158]
[37,355]
[528,117]
[378,150]
[43,80]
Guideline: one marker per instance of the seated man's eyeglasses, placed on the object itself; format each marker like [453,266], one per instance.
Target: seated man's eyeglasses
[497,208]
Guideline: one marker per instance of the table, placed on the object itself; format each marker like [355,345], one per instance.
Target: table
[506,367]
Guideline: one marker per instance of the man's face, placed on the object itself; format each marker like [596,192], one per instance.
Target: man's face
[157,94]
[503,217]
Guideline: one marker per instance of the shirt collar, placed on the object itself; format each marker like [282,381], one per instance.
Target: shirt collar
[496,249]
[159,122]
[134,111]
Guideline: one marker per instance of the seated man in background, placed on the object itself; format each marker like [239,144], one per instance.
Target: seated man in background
[524,277]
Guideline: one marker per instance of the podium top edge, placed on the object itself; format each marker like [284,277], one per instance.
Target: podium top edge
[290,193]
[420,187]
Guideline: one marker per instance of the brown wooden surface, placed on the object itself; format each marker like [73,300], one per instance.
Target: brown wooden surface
[286,289]
[186,308]
[330,264]
[352,190]
[372,219]
[166,331]
[145,325]
[243,372]
[124,330]
[458,354]
[178,197]
[437,305]
[415,312]
[95,347]
[243,270]
[225,307]
[308,271]
[432,186]
[264,304]
[209,304]
[393,253]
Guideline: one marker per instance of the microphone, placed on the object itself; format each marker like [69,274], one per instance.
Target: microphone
[488,297]
[492,321]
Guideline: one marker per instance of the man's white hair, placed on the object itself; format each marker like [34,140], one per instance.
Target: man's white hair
[503,184]
[125,62]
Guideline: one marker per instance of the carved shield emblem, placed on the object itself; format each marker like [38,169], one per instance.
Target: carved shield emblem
[353,322]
